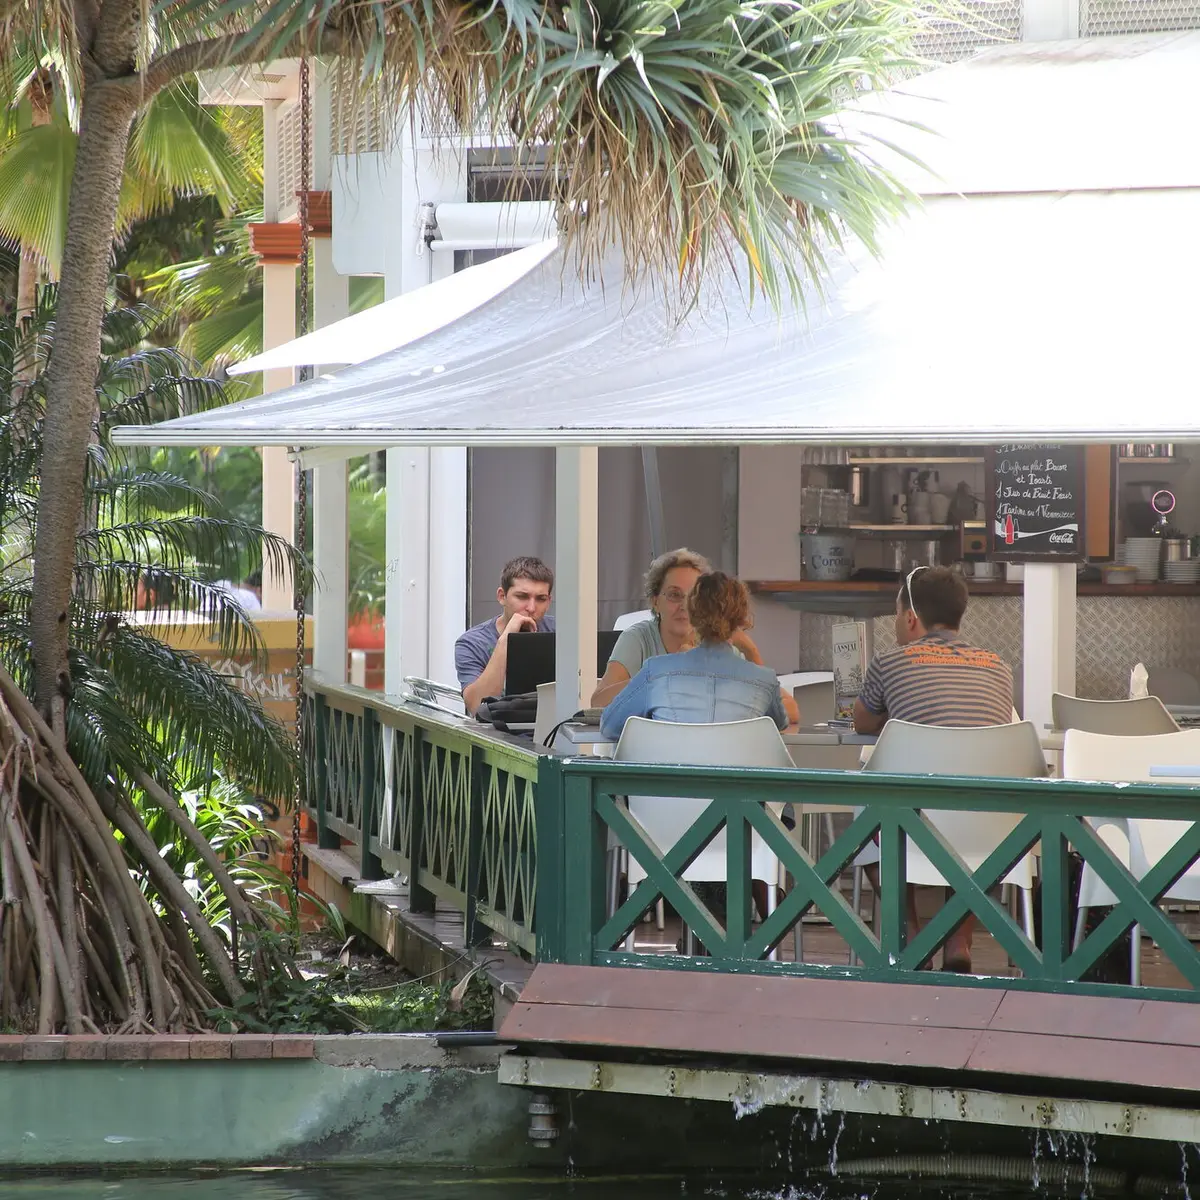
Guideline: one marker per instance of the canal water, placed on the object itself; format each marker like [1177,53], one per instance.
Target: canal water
[400,1184]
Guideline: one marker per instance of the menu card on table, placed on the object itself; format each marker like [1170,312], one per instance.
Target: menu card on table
[852,647]
[1035,502]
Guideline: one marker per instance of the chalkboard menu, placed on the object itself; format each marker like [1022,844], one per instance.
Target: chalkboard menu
[1035,501]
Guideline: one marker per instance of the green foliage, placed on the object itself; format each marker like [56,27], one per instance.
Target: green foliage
[423,1007]
[680,129]
[366,516]
[138,703]
[331,1004]
[177,148]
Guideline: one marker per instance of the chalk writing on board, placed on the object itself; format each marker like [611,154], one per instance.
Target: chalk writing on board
[1036,500]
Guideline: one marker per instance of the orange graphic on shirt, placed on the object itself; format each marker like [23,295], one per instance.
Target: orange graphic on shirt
[950,656]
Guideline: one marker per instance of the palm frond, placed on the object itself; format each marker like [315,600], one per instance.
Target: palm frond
[36,166]
[682,130]
[205,715]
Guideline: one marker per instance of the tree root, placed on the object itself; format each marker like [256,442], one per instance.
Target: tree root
[82,946]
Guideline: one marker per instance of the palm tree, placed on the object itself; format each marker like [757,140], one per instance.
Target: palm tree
[678,129]
[146,721]
[177,148]
[681,129]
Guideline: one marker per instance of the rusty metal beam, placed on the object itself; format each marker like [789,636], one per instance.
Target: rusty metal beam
[750,1092]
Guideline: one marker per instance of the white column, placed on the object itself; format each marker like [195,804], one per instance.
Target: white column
[279,326]
[331,302]
[426,589]
[330,560]
[576,495]
[406,622]
[447,558]
[279,473]
[1049,627]
[1049,20]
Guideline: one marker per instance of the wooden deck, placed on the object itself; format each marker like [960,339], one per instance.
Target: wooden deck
[905,1031]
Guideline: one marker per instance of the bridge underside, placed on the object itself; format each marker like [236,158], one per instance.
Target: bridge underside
[1070,1064]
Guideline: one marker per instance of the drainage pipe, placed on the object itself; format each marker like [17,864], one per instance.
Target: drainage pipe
[453,1039]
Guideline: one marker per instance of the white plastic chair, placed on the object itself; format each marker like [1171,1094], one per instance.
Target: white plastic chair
[1127,718]
[753,743]
[634,618]
[1138,842]
[1010,751]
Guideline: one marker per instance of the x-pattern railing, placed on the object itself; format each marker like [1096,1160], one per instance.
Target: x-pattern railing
[449,806]
[580,804]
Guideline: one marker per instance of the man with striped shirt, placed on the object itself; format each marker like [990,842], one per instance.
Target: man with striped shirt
[934,676]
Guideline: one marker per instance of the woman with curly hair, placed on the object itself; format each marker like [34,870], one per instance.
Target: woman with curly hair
[669,630]
[711,682]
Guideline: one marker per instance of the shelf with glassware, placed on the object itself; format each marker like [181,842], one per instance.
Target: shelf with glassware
[885,512]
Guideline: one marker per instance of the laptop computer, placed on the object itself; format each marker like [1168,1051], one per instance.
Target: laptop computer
[531,659]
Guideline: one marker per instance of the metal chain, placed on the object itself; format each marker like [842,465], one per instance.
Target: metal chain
[302,480]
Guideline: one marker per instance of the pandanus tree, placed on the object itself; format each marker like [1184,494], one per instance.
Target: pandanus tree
[682,130]
[98,931]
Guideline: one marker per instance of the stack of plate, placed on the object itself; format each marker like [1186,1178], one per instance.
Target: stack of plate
[1143,554]
[1184,571]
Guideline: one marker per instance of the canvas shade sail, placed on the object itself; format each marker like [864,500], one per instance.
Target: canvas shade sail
[1056,317]
[404,319]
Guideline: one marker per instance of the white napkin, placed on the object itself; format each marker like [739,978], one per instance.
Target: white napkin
[1139,679]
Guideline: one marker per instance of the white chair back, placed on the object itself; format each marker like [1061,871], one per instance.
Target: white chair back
[1127,718]
[1002,751]
[754,743]
[633,618]
[1138,841]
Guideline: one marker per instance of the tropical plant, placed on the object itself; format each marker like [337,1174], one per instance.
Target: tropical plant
[682,130]
[177,148]
[146,722]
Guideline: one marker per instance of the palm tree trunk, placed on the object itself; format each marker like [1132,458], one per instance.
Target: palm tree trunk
[107,115]
[27,280]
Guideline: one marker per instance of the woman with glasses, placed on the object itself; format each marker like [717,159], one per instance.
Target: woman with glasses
[708,682]
[669,580]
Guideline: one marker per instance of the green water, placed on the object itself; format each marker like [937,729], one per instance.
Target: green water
[398,1184]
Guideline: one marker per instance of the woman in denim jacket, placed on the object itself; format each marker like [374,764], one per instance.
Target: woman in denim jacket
[713,682]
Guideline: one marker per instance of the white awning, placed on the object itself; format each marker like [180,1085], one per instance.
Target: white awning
[988,319]
[402,320]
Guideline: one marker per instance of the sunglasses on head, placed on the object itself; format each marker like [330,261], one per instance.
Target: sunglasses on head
[908,584]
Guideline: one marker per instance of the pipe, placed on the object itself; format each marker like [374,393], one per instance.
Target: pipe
[455,1039]
[990,1167]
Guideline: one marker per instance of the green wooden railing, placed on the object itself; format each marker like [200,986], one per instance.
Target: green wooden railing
[449,805]
[580,816]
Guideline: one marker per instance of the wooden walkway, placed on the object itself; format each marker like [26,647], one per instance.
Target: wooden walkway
[906,1031]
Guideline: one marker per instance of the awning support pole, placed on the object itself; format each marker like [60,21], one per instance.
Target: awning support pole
[1049,629]
[654,504]
[576,493]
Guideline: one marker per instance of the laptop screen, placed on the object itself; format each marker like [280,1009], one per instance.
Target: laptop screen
[531,659]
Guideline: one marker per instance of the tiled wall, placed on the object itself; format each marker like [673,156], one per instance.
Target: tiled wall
[1113,633]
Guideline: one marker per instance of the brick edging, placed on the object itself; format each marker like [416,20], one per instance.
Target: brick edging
[197,1047]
